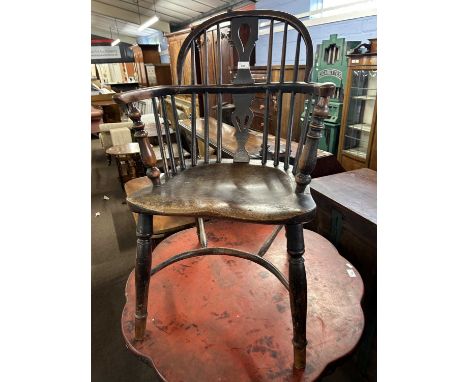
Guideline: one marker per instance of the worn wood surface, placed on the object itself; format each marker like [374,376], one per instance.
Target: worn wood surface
[161,224]
[347,216]
[219,318]
[240,191]
[355,191]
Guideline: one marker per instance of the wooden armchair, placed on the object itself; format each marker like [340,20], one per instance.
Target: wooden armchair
[243,189]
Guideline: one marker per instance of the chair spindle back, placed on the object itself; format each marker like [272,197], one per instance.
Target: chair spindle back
[244,30]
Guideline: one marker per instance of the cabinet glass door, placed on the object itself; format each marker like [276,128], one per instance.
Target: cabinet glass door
[362,99]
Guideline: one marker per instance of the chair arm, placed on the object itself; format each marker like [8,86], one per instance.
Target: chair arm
[308,157]
[148,156]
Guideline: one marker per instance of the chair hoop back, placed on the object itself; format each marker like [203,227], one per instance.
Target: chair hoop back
[244,30]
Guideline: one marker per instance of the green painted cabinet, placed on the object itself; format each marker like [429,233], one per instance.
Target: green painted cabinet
[331,65]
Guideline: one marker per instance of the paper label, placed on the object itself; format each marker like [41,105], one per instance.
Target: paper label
[243,65]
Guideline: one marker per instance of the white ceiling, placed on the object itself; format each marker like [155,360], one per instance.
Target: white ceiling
[128,15]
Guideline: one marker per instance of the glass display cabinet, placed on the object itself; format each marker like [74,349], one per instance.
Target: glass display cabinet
[358,146]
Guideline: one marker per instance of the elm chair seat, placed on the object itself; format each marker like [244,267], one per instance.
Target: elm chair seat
[240,191]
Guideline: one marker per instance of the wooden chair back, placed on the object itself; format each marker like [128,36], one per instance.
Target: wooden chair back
[244,33]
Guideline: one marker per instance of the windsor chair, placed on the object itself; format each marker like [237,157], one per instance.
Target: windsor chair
[258,191]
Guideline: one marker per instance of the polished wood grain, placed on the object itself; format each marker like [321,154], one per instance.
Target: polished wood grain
[247,192]
[355,191]
[221,318]
[161,224]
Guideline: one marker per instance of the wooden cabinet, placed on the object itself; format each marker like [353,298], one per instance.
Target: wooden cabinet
[229,60]
[148,66]
[358,135]
[175,41]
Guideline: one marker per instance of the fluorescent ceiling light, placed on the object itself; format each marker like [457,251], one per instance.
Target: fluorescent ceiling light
[115,42]
[148,23]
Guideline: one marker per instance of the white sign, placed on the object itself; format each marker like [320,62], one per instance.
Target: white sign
[105,52]
[243,65]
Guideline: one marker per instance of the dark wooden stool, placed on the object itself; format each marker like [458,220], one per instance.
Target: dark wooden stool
[221,318]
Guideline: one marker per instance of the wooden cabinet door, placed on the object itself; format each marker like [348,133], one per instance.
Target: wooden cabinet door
[175,43]
[173,51]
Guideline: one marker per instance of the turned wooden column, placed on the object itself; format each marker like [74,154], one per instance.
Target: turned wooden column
[297,291]
[142,272]
[146,151]
[308,158]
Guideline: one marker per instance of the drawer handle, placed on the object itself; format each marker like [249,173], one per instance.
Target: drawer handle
[262,107]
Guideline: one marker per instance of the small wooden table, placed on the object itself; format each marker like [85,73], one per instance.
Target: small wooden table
[220,318]
[129,163]
[326,162]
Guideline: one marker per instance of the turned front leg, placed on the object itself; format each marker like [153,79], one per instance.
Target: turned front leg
[142,272]
[297,292]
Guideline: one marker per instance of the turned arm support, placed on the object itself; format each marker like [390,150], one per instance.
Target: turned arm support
[308,158]
[146,151]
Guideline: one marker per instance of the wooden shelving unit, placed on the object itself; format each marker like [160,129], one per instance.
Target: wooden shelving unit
[357,147]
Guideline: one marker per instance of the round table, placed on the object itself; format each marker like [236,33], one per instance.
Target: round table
[128,160]
[220,318]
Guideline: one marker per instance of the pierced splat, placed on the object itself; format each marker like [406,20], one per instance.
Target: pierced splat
[242,115]
[242,119]
[244,49]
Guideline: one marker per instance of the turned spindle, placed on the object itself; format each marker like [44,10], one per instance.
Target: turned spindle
[146,151]
[308,158]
